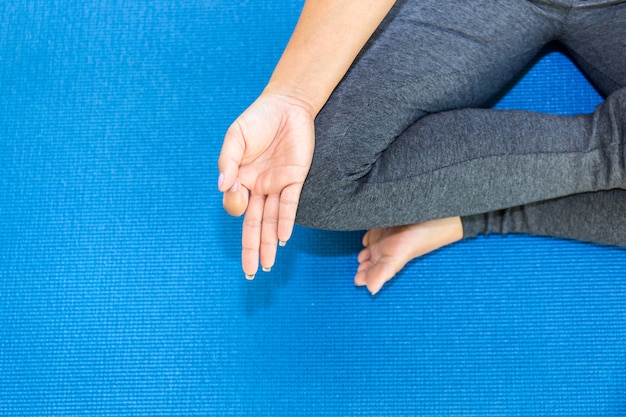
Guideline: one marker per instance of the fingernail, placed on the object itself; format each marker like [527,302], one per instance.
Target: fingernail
[235,186]
[281,243]
[249,277]
[220,180]
[266,269]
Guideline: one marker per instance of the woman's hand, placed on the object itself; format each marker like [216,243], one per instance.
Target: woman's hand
[269,148]
[264,161]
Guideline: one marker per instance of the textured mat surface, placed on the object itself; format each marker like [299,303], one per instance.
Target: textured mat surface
[120,286]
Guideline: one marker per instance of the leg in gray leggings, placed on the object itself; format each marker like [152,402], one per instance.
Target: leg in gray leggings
[399,143]
[594,217]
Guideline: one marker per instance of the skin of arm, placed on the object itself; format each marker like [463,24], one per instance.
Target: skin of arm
[267,151]
[325,42]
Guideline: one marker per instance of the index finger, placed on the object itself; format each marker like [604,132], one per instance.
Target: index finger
[230,157]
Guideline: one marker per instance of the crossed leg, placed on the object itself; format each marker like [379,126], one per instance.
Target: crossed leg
[390,153]
[593,217]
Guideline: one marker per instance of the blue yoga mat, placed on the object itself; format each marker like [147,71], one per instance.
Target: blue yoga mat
[121,291]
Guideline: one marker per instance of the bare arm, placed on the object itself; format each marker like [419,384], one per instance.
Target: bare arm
[268,149]
[327,38]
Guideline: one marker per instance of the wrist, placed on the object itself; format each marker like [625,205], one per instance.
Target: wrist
[294,95]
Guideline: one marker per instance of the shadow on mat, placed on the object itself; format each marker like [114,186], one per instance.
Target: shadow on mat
[260,293]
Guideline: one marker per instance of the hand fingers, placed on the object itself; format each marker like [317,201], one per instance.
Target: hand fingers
[235,199]
[251,235]
[268,221]
[268,184]
[287,211]
[269,237]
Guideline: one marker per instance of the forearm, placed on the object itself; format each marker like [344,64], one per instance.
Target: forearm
[327,38]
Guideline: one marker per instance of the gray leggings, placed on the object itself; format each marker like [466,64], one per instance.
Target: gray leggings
[403,138]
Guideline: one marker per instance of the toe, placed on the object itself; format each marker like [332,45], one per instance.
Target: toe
[365,240]
[360,279]
[364,255]
[374,275]
[378,275]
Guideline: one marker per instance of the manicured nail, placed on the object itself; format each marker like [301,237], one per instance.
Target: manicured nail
[249,277]
[220,180]
[266,269]
[281,243]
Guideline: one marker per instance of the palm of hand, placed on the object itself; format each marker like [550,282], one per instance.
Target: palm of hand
[268,150]
[278,147]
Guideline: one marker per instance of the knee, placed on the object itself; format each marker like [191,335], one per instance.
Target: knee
[333,181]
[328,199]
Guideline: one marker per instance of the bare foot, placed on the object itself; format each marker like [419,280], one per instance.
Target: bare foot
[235,200]
[388,250]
